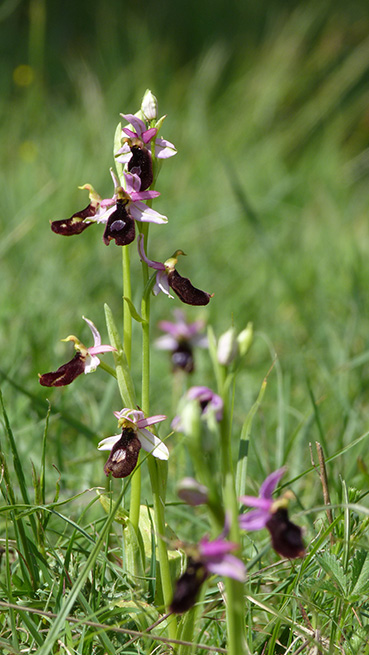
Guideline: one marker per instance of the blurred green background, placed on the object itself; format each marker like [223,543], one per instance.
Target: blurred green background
[268,106]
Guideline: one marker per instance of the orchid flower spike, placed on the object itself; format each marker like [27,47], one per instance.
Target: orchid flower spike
[272,514]
[209,557]
[180,339]
[125,447]
[84,361]
[167,277]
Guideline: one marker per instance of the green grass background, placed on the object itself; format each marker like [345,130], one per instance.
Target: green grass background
[267,104]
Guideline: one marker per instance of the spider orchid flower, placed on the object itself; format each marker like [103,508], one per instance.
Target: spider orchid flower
[272,514]
[209,557]
[168,278]
[180,339]
[84,361]
[80,220]
[125,447]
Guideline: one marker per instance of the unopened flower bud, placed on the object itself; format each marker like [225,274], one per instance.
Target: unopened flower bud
[192,492]
[149,106]
[244,339]
[227,347]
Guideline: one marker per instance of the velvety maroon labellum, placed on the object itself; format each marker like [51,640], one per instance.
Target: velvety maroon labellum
[120,226]
[65,373]
[75,224]
[186,291]
[187,587]
[141,164]
[286,536]
[124,455]
[182,358]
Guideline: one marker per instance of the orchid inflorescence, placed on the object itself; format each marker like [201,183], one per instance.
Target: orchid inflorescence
[137,151]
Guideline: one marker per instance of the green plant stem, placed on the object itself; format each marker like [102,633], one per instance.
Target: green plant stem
[127,292]
[158,492]
[234,588]
[158,481]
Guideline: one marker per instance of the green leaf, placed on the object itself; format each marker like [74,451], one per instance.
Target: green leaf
[133,311]
[334,569]
[360,573]
[117,146]
[121,515]
[124,378]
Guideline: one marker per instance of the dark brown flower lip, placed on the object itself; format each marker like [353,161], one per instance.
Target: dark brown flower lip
[76,223]
[188,586]
[185,290]
[65,373]
[286,536]
[120,225]
[141,164]
[124,455]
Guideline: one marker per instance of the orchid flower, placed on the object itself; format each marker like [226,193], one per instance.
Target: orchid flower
[167,277]
[272,514]
[163,149]
[119,212]
[84,361]
[180,340]
[209,557]
[125,447]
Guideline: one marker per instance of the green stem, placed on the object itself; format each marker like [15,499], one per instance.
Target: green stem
[234,588]
[156,470]
[127,292]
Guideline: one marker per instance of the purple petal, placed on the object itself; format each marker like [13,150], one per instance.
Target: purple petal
[150,262]
[147,135]
[216,548]
[271,482]
[145,214]
[230,567]
[164,149]
[94,330]
[95,350]
[144,195]
[256,501]
[137,124]
[150,420]
[254,520]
